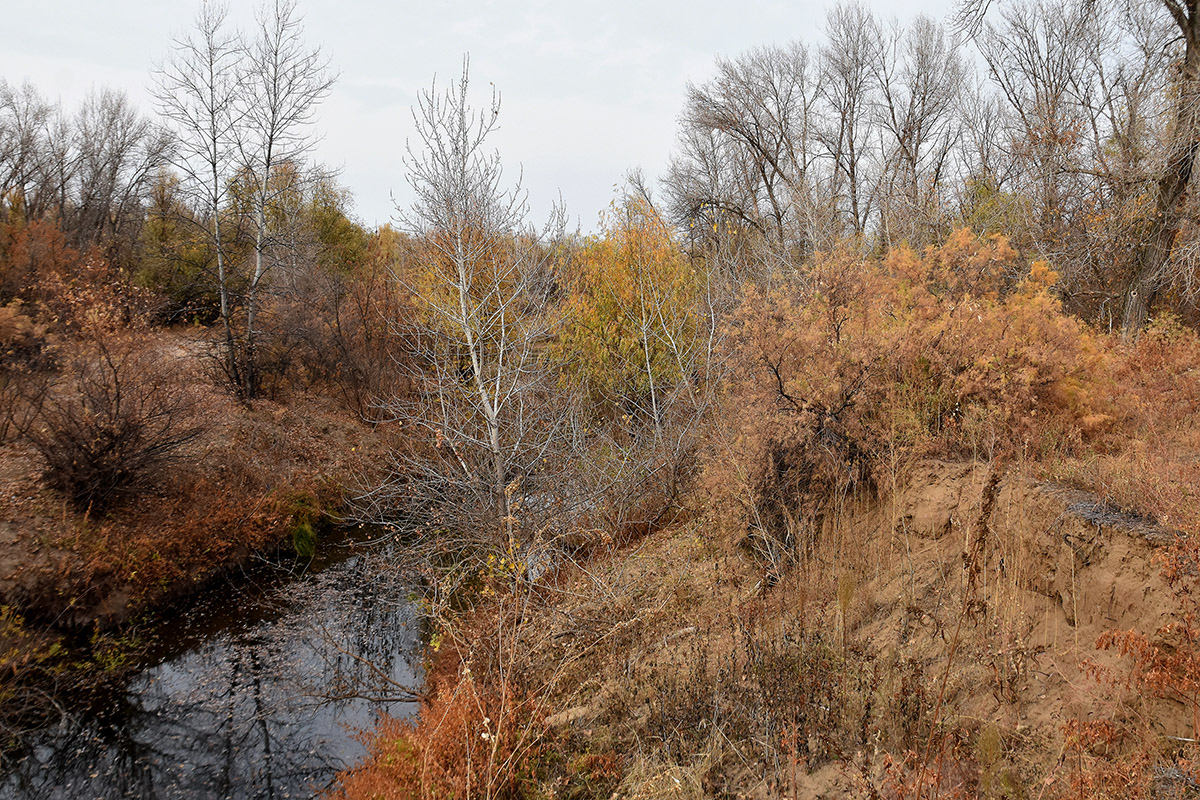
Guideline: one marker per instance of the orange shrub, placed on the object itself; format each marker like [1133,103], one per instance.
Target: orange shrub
[470,739]
[70,290]
[1168,665]
[857,362]
[1141,460]
[21,339]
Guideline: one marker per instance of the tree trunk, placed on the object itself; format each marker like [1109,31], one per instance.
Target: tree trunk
[223,291]
[250,359]
[486,405]
[1151,260]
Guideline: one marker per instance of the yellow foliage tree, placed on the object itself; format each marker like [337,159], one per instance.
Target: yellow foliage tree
[633,323]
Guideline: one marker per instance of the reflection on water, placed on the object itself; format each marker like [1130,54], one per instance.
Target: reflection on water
[258,694]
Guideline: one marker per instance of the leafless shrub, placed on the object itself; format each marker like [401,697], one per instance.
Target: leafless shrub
[338,326]
[103,429]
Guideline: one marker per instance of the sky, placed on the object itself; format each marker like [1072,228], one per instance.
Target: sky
[589,90]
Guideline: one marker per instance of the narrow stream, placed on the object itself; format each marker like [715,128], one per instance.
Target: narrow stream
[258,691]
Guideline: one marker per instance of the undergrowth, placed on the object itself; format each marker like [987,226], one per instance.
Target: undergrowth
[839,377]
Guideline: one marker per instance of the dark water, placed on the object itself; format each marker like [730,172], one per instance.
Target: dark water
[257,692]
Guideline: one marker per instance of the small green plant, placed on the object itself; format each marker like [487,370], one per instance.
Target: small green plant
[306,513]
[304,539]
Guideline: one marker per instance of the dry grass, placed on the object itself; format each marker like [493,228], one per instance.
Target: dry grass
[883,597]
[237,493]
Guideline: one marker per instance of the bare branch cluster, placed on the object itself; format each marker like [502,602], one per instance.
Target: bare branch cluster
[110,424]
[91,171]
[1072,136]
[242,109]
[482,410]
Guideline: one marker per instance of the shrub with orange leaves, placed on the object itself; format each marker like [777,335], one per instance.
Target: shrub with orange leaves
[942,353]
[1095,770]
[21,339]
[472,738]
[69,290]
[951,774]
[1143,442]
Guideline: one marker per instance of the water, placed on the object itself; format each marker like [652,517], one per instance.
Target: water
[258,692]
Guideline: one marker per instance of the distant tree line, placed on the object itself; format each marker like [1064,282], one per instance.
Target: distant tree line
[1069,127]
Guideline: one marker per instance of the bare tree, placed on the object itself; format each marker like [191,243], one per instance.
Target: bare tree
[847,89]
[283,81]
[1080,91]
[761,102]
[119,152]
[91,171]
[1037,56]
[484,404]
[24,120]
[746,169]
[707,192]
[37,154]
[920,76]
[984,161]
[196,89]
[1152,259]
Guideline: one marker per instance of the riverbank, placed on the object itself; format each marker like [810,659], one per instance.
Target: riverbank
[260,479]
[258,475]
[255,688]
[943,635]
[939,542]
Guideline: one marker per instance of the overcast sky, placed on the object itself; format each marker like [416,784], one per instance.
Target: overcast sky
[590,89]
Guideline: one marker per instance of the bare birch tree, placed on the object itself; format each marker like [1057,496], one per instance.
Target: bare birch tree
[283,80]
[196,89]
[484,403]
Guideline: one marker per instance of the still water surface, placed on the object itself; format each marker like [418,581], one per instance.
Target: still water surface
[257,692]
